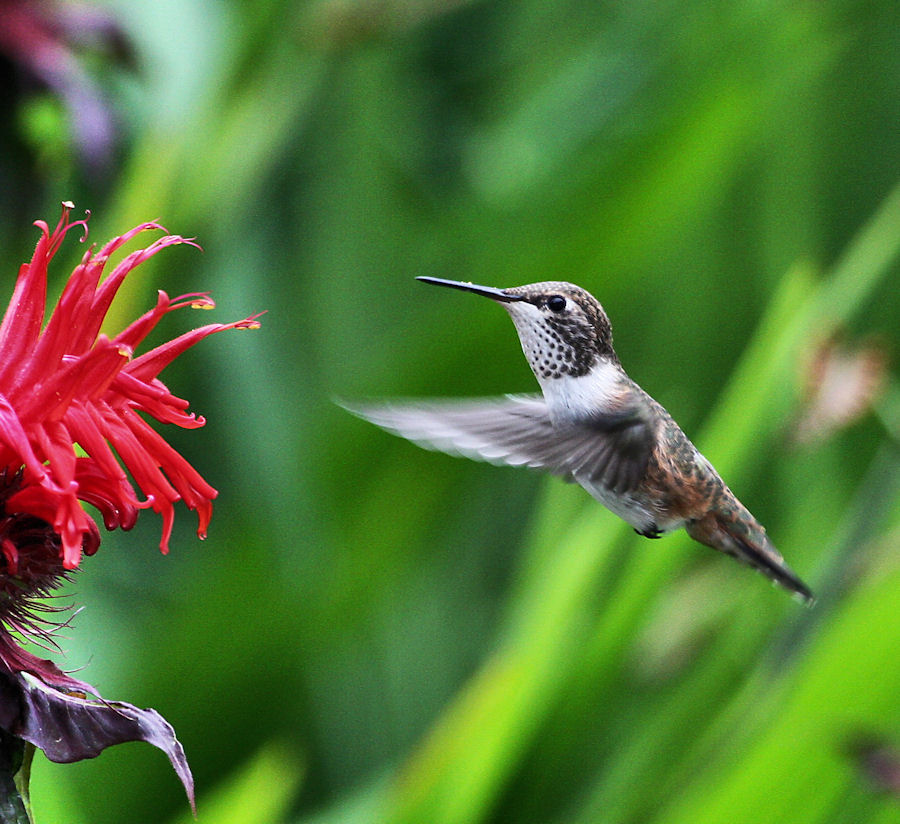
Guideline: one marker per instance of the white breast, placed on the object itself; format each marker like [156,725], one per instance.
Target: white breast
[570,398]
[629,508]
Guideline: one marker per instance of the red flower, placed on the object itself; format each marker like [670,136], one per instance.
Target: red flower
[72,407]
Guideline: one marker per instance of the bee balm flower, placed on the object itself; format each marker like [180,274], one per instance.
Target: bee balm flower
[74,405]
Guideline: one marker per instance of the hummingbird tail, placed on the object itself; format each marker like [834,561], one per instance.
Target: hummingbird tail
[746,540]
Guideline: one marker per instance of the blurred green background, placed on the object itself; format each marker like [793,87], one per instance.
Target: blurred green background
[374,633]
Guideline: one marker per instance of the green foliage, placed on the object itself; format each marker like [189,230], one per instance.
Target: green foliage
[428,639]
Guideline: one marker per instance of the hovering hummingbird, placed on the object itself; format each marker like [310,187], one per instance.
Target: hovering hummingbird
[592,425]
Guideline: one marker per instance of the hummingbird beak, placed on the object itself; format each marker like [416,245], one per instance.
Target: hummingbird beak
[499,295]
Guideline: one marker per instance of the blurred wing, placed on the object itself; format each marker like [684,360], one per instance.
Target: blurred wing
[608,450]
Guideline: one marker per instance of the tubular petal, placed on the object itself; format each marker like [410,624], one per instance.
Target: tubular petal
[67,384]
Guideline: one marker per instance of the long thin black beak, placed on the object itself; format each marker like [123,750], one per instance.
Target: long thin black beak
[487,291]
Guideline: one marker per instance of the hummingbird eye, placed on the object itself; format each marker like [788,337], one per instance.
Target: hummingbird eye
[556,303]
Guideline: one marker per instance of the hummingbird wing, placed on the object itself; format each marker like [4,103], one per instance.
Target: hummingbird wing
[611,450]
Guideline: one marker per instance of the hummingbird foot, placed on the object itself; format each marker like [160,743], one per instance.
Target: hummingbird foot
[650,533]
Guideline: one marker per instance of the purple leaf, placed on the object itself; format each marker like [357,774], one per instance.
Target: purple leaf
[68,727]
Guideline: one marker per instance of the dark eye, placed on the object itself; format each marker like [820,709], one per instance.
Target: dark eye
[556,303]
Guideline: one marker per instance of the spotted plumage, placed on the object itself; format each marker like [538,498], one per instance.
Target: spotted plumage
[564,342]
[592,425]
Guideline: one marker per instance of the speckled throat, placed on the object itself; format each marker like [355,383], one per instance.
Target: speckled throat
[566,343]
[555,347]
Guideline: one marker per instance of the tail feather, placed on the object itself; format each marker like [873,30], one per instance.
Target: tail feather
[771,564]
[746,540]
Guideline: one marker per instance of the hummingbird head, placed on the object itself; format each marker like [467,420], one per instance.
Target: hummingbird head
[563,329]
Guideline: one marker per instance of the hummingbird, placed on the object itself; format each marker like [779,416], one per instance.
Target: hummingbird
[591,424]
